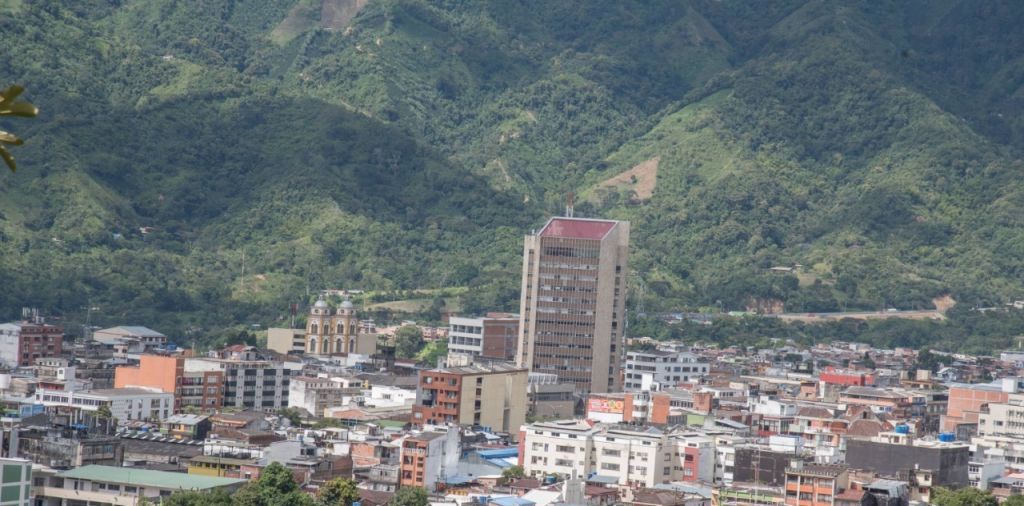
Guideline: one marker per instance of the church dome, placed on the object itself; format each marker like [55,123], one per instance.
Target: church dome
[320,303]
[347,304]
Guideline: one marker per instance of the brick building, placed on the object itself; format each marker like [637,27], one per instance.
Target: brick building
[203,389]
[491,396]
[21,343]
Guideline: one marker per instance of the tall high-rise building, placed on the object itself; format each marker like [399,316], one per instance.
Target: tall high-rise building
[572,313]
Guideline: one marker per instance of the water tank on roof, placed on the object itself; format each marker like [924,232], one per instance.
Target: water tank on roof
[947,437]
[902,429]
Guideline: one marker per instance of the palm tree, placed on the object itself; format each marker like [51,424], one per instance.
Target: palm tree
[8,107]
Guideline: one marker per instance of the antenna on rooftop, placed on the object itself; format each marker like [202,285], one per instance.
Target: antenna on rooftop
[570,200]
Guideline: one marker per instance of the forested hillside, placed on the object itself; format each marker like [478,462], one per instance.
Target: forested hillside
[271,147]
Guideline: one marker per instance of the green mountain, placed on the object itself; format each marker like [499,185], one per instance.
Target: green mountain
[272,147]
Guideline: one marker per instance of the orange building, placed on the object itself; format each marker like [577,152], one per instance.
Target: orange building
[200,389]
[815,484]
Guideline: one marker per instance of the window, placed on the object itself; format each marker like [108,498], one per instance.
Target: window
[608,466]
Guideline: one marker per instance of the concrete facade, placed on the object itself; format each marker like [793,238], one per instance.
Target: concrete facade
[573,302]
[488,396]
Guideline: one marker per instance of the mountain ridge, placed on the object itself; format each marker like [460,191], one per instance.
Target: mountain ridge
[414,147]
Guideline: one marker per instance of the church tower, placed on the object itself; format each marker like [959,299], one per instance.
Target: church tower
[330,332]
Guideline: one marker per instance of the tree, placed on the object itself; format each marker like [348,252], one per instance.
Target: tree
[1013,500]
[408,341]
[868,361]
[275,487]
[967,496]
[104,415]
[930,361]
[190,498]
[512,473]
[409,496]
[9,107]
[433,351]
[292,414]
[337,492]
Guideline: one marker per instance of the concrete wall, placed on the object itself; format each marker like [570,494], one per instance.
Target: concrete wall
[949,463]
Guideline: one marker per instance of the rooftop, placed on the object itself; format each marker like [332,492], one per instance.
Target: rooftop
[121,392]
[132,331]
[185,419]
[148,478]
[481,369]
[577,228]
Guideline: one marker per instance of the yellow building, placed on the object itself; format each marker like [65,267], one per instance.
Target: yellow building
[224,467]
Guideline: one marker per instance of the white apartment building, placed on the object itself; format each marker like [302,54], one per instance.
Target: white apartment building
[632,456]
[1003,419]
[725,460]
[561,447]
[124,403]
[655,370]
[1005,448]
[317,394]
[635,457]
[466,335]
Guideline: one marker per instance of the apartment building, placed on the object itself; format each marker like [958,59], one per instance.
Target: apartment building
[253,379]
[492,396]
[1004,418]
[317,394]
[815,484]
[124,403]
[635,456]
[561,447]
[967,401]
[427,457]
[573,302]
[193,383]
[493,336]
[657,369]
[629,455]
[896,454]
[693,458]
[21,343]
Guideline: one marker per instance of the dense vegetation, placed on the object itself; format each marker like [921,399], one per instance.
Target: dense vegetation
[965,330]
[200,165]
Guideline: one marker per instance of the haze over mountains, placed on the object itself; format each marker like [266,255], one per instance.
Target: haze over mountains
[276,145]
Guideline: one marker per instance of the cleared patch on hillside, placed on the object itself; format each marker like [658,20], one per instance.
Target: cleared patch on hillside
[944,303]
[642,179]
[11,6]
[309,14]
[336,14]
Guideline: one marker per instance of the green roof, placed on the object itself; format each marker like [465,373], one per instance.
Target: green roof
[148,478]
